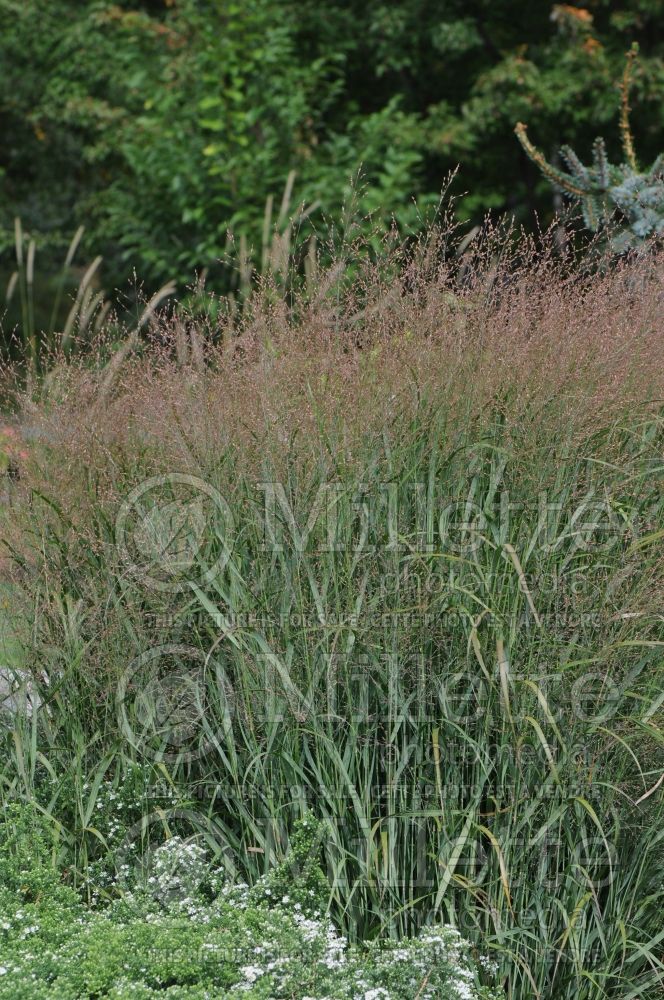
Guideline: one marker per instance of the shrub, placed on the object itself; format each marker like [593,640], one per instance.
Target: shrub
[167,938]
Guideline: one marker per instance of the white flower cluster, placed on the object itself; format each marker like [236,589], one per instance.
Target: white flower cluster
[271,943]
[172,875]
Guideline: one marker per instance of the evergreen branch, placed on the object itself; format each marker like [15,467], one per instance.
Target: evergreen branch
[556,176]
[601,162]
[576,167]
[605,190]
[657,169]
[625,130]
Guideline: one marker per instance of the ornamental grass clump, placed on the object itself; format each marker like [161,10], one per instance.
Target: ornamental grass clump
[389,552]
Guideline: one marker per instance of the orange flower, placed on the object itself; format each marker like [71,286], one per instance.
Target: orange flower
[591,45]
[565,12]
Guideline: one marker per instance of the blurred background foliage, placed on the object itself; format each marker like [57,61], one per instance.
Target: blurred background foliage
[161,125]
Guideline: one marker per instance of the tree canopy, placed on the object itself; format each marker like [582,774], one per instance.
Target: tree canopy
[162,124]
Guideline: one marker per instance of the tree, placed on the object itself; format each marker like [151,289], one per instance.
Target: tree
[605,190]
[162,124]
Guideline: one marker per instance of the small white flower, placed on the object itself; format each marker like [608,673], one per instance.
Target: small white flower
[251,973]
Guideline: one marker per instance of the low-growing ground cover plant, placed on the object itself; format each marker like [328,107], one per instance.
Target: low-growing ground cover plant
[185,931]
[390,552]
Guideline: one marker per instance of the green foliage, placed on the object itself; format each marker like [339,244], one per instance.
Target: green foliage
[83,316]
[162,126]
[603,189]
[458,788]
[185,944]
[299,877]
[443,637]
[190,118]
[25,854]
